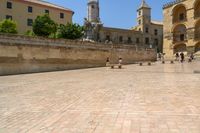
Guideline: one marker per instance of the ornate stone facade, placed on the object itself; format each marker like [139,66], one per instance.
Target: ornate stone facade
[181,27]
[135,36]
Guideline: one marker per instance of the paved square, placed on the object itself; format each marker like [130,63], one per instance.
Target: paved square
[148,99]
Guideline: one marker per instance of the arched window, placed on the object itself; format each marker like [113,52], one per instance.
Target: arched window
[180,33]
[179,13]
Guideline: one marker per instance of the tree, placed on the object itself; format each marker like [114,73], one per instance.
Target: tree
[8,26]
[70,31]
[44,26]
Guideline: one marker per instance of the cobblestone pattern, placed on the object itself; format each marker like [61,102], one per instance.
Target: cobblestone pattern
[136,99]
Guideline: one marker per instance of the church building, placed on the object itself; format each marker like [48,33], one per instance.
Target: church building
[147,33]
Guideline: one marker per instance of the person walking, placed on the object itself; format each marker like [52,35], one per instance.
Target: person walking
[177,56]
[182,57]
[107,61]
[120,61]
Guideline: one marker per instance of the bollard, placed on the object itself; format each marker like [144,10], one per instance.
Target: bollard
[163,62]
[172,62]
[140,64]
[149,63]
[112,67]
[120,66]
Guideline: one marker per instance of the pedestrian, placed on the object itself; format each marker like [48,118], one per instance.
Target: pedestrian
[163,56]
[159,56]
[107,61]
[192,56]
[120,61]
[177,56]
[182,57]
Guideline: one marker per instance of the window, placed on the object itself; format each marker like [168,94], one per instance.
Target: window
[156,42]
[46,11]
[121,39]
[139,13]
[147,30]
[139,29]
[137,40]
[147,40]
[30,9]
[139,22]
[108,38]
[9,5]
[92,6]
[29,22]
[155,32]
[9,17]
[61,15]
[129,40]
[182,37]
[181,17]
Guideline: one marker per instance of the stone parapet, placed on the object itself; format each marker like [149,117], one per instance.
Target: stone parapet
[22,54]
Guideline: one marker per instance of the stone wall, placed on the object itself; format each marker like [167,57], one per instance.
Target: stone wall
[22,54]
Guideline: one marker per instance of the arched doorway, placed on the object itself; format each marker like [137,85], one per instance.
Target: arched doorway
[197,9]
[179,13]
[197,47]
[197,30]
[180,48]
[179,33]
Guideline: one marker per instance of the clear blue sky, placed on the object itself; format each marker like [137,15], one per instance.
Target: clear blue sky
[113,13]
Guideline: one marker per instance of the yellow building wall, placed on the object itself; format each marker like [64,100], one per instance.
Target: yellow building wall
[168,46]
[20,14]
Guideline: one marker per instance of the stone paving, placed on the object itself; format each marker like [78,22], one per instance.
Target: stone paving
[136,99]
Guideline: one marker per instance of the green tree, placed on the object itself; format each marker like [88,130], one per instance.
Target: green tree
[8,26]
[70,31]
[44,26]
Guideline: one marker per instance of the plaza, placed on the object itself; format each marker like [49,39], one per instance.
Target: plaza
[162,98]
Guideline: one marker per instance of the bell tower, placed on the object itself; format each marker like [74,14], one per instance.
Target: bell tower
[144,16]
[93,11]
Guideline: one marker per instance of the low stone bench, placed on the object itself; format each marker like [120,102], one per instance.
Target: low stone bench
[118,66]
[197,71]
[148,63]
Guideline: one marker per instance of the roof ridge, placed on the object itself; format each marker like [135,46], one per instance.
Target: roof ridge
[49,4]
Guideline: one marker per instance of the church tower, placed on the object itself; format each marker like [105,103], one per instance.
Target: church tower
[144,16]
[93,11]
[144,21]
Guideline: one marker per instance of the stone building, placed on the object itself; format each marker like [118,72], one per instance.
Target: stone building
[25,11]
[147,33]
[152,30]
[181,27]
